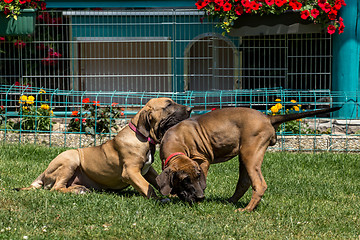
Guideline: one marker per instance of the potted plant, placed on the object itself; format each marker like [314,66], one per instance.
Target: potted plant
[324,12]
[17,17]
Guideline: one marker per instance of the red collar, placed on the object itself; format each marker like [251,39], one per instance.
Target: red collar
[149,139]
[164,163]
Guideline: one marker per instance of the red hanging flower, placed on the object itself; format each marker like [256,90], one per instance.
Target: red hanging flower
[86,100]
[19,44]
[227,6]
[254,6]
[305,14]
[245,3]
[280,3]
[239,10]
[332,14]
[295,4]
[22,1]
[8,1]
[342,26]
[220,3]
[331,29]
[270,2]
[315,13]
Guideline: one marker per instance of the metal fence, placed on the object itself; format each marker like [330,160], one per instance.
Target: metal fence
[159,50]
[129,56]
[79,118]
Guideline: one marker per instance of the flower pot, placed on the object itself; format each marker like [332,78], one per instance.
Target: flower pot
[25,23]
[286,23]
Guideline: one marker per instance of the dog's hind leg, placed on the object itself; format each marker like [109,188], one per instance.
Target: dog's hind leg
[252,158]
[243,183]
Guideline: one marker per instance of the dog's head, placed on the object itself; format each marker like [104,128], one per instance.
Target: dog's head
[158,115]
[184,178]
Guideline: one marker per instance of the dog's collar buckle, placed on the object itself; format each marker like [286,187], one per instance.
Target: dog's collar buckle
[149,139]
[164,163]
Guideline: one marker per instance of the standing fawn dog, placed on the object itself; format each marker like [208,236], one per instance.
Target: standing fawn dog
[188,149]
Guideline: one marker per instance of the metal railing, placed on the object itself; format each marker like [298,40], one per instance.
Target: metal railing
[76,118]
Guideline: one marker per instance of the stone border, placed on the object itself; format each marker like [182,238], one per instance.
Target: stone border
[334,143]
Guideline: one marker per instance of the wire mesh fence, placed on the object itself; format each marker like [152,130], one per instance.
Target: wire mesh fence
[78,118]
[79,64]
[159,50]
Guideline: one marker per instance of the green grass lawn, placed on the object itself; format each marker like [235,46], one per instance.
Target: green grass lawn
[309,196]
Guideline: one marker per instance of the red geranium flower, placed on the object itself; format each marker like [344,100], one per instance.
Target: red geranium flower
[239,10]
[19,44]
[227,6]
[76,119]
[74,113]
[86,100]
[326,7]
[84,120]
[279,3]
[342,26]
[96,103]
[295,5]
[315,13]
[270,2]
[332,14]
[217,8]
[22,1]
[305,14]
[8,1]
[254,6]
[219,2]
[245,3]
[331,29]
[114,104]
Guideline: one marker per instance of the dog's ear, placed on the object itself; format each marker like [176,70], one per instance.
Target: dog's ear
[143,125]
[165,181]
[202,180]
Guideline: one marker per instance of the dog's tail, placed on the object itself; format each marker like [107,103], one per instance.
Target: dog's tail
[276,120]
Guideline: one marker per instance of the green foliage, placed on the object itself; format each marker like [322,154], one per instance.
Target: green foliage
[94,118]
[309,196]
[11,8]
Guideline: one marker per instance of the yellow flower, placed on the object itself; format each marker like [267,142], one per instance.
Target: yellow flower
[45,106]
[24,108]
[51,112]
[274,109]
[42,91]
[30,100]
[296,108]
[293,101]
[277,100]
[279,106]
[23,99]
